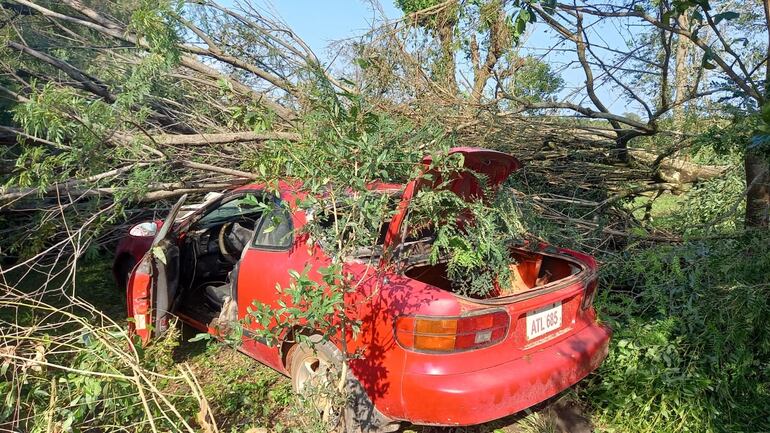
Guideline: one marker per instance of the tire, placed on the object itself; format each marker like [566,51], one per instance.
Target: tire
[315,367]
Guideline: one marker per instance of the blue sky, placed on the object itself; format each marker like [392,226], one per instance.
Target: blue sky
[320,22]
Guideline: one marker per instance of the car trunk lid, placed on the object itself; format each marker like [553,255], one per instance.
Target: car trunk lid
[495,166]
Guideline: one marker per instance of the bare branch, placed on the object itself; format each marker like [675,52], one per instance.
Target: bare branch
[235,137]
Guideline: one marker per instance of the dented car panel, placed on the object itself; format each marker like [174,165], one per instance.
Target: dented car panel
[482,359]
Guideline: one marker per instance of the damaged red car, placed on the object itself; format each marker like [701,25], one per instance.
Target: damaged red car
[429,355]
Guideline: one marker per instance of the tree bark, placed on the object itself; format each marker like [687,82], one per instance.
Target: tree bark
[758,190]
[499,40]
[446,64]
[757,164]
[681,72]
[665,43]
[223,138]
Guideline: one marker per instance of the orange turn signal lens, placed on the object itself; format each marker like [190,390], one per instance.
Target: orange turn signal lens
[452,334]
[435,326]
[433,343]
[435,334]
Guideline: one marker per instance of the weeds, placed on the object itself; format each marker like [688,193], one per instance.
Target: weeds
[692,341]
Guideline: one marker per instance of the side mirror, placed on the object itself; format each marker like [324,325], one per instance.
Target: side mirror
[144,229]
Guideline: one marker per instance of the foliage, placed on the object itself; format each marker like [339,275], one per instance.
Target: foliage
[242,392]
[711,207]
[412,6]
[691,345]
[96,389]
[474,238]
[535,81]
[313,308]
[484,32]
[730,134]
[50,114]
[691,349]
[154,21]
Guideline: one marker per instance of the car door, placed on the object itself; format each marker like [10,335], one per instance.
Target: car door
[274,250]
[154,281]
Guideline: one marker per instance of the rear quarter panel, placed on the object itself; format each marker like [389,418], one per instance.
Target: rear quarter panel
[379,300]
[384,363]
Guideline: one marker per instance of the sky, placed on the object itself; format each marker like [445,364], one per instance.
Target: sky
[320,22]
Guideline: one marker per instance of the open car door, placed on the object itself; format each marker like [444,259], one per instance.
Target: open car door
[153,283]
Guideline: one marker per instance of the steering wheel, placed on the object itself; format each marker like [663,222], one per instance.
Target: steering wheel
[223,247]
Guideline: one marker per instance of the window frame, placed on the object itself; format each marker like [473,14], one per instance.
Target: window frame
[196,220]
[278,204]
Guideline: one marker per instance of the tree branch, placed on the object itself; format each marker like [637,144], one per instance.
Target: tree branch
[234,137]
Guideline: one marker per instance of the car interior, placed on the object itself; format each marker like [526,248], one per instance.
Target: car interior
[212,248]
[213,244]
[529,270]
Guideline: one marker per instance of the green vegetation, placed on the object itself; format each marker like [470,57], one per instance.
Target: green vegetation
[111,110]
[691,344]
[477,255]
[241,392]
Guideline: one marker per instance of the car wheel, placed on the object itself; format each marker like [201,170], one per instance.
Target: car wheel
[314,367]
[315,370]
[123,272]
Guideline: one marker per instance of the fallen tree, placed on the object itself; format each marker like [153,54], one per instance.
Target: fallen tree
[119,106]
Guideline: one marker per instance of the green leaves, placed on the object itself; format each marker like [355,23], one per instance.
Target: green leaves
[760,141]
[688,336]
[412,6]
[473,238]
[696,9]
[708,56]
[155,22]
[306,307]
[535,81]
[79,139]
[202,336]
[526,15]
[728,15]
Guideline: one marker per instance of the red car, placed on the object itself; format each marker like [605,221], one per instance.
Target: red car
[430,356]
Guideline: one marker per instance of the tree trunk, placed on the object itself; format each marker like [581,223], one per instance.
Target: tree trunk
[681,73]
[621,147]
[758,192]
[499,41]
[757,165]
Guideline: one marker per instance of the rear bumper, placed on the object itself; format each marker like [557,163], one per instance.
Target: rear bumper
[485,395]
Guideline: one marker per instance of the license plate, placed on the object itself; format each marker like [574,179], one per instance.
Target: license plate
[543,320]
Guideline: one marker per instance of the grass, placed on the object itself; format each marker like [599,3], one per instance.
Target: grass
[690,349]
[242,393]
[663,211]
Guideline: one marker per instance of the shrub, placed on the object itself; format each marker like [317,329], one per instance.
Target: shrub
[691,350]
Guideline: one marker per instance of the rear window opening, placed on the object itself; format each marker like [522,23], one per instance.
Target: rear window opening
[363,240]
[529,271]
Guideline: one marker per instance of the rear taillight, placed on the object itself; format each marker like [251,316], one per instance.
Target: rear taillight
[588,295]
[447,334]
